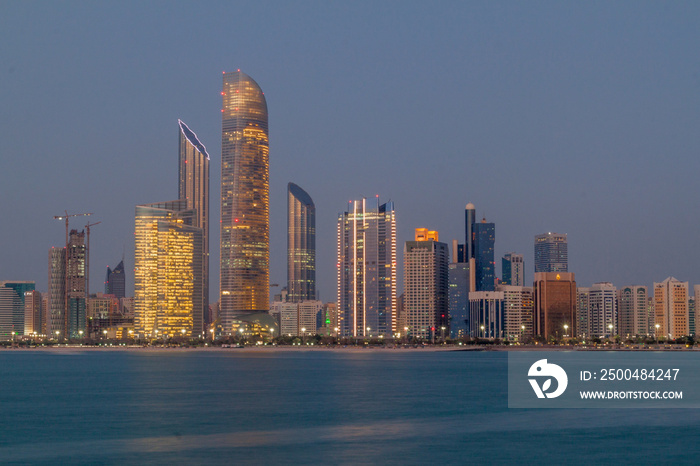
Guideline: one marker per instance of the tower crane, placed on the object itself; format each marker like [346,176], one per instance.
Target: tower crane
[66,217]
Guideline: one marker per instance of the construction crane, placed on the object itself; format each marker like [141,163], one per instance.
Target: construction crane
[66,217]
[87,261]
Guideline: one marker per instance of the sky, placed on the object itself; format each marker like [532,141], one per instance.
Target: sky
[571,117]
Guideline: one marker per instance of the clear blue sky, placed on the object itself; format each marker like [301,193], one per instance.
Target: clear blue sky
[575,117]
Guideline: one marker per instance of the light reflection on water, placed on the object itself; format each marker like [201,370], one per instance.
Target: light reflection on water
[302,407]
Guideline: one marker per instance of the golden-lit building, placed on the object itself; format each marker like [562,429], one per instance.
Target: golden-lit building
[168,285]
[245,201]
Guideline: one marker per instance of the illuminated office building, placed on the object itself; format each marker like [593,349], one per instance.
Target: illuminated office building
[486,315]
[301,245]
[426,285]
[458,295]
[367,269]
[485,234]
[193,187]
[245,203]
[168,291]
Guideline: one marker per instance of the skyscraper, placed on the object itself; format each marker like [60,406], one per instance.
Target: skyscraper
[193,187]
[301,245]
[75,318]
[115,283]
[56,310]
[512,269]
[485,234]
[245,203]
[367,269]
[168,293]
[602,310]
[458,273]
[426,285]
[551,253]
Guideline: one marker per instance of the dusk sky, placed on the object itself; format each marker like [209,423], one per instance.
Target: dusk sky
[571,117]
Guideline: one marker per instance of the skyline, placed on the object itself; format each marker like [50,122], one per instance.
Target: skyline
[579,119]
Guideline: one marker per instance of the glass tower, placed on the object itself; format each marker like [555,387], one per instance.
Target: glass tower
[301,245]
[367,269]
[193,187]
[551,253]
[485,234]
[245,200]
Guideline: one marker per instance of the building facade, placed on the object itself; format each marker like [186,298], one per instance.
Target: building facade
[484,251]
[193,187]
[486,316]
[458,295]
[367,269]
[426,285]
[168,291]
[632,311]
[551,253]
[555,304]
[513,269]
[517,312]
[245,200]
[671,308]
[115,282]
[301,245]
[56,311]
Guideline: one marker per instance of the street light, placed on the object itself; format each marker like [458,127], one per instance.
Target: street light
[482,331]
[368,330]
[522,333]
[566,329]
[303,335]
[405,329]
[657,333]
[443,333]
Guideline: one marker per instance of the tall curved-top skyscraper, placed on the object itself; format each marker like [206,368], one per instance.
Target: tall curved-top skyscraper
[301,245]
[245,200]
[193,187]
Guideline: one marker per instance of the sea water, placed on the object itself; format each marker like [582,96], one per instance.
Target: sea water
[388,406]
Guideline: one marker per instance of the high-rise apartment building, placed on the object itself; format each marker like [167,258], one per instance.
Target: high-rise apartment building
[583,328]
[193,187]
[555,304]
[115,282]
[517,312]
[12,307]
[367,269]
[632,312]
[426,285]
[551,253]
[512,269]
[671,308]
[245,200]
[168,282]
[602,310]
[301,245]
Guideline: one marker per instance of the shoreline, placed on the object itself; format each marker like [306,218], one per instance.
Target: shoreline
[355,349]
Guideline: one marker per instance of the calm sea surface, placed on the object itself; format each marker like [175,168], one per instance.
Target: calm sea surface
[289,407]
